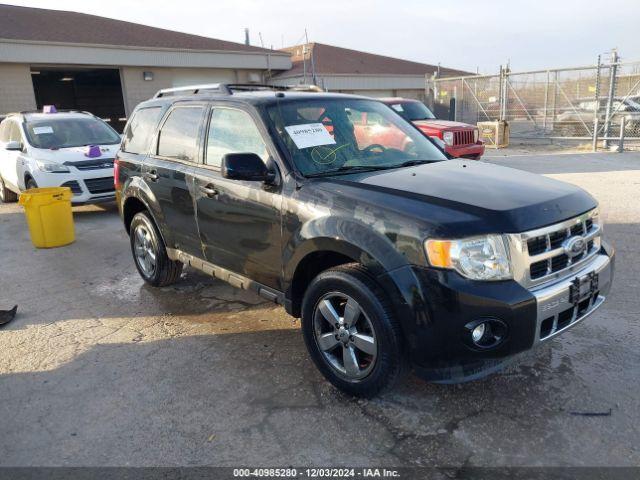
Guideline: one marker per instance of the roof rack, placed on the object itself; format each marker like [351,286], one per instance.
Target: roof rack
[229,88]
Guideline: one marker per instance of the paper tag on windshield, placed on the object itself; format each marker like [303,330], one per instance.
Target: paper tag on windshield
[310,135]
[42,130]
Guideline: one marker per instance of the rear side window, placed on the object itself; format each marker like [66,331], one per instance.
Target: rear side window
[179,134]
[137,136]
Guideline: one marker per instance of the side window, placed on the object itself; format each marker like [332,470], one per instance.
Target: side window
[179,134]
[140,130]
[233,131]
[4,132]
[14,132]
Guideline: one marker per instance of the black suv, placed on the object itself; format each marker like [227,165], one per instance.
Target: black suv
[390,254]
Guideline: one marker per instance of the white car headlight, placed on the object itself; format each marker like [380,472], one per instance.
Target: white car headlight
[51,167]
[448,138]
[477,258]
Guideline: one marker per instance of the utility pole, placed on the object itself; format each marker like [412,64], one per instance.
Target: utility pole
[613,76]
[313,63]
[596,108]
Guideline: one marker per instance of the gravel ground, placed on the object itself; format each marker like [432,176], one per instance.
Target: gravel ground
[99,369]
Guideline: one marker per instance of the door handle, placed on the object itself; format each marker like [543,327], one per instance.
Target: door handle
[152,175]
[209,191]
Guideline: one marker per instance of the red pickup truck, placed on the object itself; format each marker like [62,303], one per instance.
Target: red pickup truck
[457,139]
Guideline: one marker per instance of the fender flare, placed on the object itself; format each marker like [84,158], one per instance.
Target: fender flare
[138,189]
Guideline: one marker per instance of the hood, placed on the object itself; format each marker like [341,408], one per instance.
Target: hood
[493,198]
[75,154]
[442,124]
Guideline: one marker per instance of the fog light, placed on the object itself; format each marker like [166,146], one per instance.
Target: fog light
[478,333]
[485,333]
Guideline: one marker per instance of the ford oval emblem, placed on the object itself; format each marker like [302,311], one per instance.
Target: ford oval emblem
[575,246]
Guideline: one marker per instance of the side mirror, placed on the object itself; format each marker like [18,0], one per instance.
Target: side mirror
[13,145]
[245,166]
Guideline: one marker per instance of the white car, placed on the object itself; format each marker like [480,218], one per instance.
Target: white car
[59,149]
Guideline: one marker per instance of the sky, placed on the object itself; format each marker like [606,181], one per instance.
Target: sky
[469,35]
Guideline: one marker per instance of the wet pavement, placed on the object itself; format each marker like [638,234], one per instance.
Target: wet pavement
[100,369]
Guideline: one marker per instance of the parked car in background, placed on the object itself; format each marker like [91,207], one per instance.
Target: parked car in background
[458,140]
[577,120]
[391,256]
[57,149]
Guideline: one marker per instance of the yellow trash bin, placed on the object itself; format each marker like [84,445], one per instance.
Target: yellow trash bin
[48,212]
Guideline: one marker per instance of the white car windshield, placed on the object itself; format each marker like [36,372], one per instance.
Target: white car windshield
[59,132]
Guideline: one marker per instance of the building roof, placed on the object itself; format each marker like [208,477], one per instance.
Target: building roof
[43,25]
[331,60]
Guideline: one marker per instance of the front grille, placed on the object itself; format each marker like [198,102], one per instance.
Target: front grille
[74,186]
[96,164]
[463,137]
[100,185]
[544,252]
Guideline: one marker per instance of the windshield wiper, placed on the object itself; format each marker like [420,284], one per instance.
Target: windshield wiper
[411,163]
[347,169]
[367,168]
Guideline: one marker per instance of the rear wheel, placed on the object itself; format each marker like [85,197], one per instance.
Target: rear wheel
[6,195]
[351,332]
[150,253]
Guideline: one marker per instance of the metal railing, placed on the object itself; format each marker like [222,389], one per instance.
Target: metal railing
[596,103]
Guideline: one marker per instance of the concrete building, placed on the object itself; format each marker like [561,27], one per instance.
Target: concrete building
[351,71]
[106,66]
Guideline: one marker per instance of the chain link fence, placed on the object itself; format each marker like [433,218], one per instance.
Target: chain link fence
[590,103]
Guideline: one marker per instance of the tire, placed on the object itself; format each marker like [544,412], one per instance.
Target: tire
[147,243]
[384,361]
[6,195]
[31,183]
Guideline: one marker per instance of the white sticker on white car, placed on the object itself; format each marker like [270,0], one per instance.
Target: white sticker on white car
[310,135]
[42,130]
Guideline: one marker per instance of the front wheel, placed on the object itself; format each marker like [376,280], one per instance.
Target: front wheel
[351,332]
[150,253]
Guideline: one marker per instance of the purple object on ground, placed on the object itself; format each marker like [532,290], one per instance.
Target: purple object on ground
[94,151]
[49,109]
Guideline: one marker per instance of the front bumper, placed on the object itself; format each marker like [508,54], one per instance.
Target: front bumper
[435,307]
[90,186]
[468,151]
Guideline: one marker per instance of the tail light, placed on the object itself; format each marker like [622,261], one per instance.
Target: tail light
[116,173]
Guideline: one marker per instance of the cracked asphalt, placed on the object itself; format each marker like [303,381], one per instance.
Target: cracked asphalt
[98,369]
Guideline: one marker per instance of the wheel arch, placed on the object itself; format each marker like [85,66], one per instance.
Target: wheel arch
[315,255]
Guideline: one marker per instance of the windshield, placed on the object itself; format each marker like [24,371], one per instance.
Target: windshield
[413,111]
[70,132]
[330,135]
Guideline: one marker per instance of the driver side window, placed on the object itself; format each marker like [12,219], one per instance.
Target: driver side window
[233,131]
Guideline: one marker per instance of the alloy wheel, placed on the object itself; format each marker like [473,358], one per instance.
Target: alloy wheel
[345,336]
[144,250]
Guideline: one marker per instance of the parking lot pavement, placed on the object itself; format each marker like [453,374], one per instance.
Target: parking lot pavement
[99,369]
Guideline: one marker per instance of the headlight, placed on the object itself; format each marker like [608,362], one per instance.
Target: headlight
[51,167]
[478,258]
[476,135]
[448,138]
